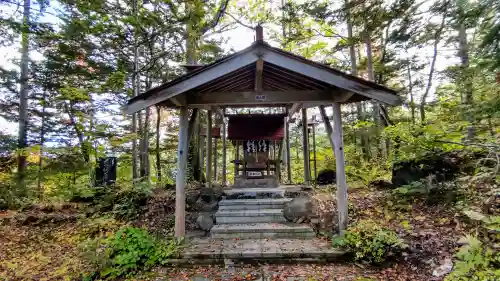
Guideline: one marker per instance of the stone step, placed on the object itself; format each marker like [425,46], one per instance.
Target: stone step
[262,230]
[268,250]
[253,204]
[249,216]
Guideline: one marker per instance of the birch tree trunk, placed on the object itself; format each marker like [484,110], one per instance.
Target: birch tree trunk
[23,93]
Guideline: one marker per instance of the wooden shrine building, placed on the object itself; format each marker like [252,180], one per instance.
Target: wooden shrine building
[261,76]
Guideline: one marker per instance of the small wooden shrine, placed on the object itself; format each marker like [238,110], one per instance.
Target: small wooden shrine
[261,76]
[260,138]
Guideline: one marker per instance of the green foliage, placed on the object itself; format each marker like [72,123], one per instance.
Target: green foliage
[366,173]
[127,203]
[432,193]
[126,252]
[96,227]
[370,242]
[475,262]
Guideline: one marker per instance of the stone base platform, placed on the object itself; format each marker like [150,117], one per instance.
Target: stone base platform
[266,181]
[209,250]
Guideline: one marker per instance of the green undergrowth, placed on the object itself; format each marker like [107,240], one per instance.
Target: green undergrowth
[370,242]
[475,261]
[126,252]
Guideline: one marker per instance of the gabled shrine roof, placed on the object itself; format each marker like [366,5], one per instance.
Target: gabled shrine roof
[232,81]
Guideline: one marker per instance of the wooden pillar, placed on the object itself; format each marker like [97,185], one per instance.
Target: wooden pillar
[278,161]
[202,156]
[216,160]
[180,181]
[315,168]
[208,172]
[287,152]
[337,137]
[224,156]
[305,147]
[236,152]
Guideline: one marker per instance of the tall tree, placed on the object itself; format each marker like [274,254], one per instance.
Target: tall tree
[24,90]
[442,10]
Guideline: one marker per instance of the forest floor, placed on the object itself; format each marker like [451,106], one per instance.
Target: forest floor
[45,244]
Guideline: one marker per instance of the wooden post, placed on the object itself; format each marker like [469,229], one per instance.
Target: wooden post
[216,160]
[180,181]
[305,147]
[235,158]
[315,169]
[337,137]
[224,183]
[287,140]
[208,173]
[278,160]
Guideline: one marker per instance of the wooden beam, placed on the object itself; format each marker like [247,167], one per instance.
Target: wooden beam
[256,98]
[340,168]
[180,181]
[179,100]
[327,76]
[305,147]
[201,78]
[342,96]
[259,68]
[208,173]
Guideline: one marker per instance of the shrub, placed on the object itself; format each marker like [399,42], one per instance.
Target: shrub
[367,173]
[126,252]
[127,204]
[475,262]
[370,242]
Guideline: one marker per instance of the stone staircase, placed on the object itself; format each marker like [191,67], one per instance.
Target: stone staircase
[256,212]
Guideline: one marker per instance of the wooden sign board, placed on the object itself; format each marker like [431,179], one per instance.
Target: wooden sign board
[215,132]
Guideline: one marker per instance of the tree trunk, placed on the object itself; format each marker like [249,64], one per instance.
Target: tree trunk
[437,39]
[135,92]
[193,156]
[354,71]
[158,156]
[23,94]
[79,133]
[410,91]
[145,145]
[371,77]
[466,78]
[42,142]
